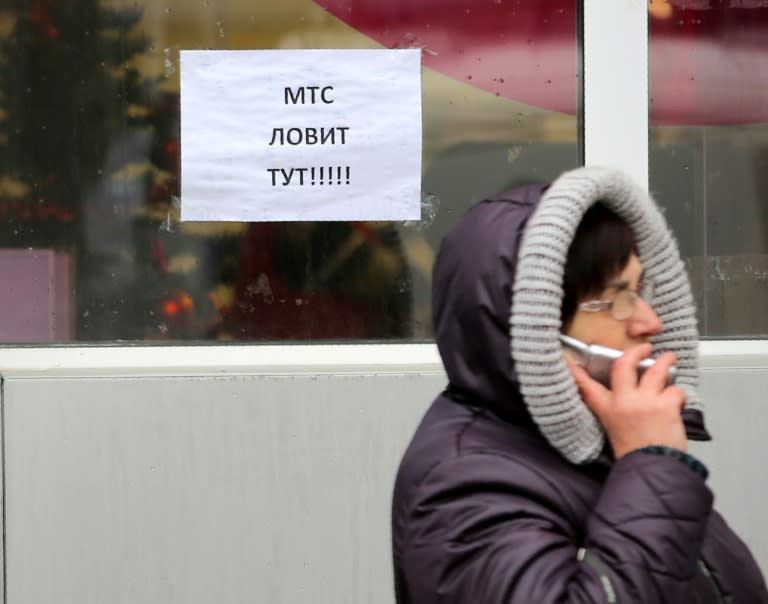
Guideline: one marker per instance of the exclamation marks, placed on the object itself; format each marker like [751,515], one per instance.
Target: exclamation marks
[339,176]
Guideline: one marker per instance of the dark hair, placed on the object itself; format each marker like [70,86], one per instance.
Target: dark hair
[599,251]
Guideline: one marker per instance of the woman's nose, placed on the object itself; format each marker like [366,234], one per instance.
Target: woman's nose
[644,321]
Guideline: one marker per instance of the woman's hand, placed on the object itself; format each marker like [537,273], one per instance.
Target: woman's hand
[636,414]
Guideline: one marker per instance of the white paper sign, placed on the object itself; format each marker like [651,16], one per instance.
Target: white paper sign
[280,135]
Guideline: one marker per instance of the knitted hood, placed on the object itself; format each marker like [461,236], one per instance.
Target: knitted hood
[509,251]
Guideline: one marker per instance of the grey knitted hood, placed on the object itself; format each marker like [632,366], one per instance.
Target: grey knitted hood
[511,249]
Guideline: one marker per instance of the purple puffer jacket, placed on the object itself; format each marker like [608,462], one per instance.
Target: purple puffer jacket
[485,511]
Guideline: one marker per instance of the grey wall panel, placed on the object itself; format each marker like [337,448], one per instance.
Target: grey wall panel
[737,415]
[190,491]
[256,489]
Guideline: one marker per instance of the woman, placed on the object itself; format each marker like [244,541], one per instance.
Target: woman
[528,481]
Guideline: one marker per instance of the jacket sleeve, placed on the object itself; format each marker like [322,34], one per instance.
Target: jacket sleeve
[490,532]
[731,563]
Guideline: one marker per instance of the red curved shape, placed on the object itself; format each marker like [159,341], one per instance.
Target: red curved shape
[709,60]
[521,50]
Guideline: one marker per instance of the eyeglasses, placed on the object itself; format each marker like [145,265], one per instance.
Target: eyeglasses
[623,305]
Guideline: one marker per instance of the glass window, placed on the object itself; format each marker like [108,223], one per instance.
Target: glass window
[91,249]
[709,152]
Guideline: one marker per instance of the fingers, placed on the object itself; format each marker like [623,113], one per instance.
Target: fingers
[676,396]
[656,377]
[624,372]
[596,396]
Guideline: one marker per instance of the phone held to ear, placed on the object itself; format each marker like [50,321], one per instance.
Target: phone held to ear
[598,360]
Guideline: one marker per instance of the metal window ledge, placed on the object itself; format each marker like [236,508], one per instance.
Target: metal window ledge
[285,360]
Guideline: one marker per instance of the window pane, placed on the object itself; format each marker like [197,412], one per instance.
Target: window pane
[91,249]
[709,153]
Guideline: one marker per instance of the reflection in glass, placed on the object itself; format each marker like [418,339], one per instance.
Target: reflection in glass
[91,249]
[709,153]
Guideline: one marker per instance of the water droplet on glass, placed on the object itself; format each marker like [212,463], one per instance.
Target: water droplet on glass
[408,40]
[167,224]
[170,68]
[430,205]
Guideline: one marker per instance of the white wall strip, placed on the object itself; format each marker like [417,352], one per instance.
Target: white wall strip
[291,360]
[224,360]
[733,354]
[616,86]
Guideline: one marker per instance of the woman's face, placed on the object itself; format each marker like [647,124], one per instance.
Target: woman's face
[601,328]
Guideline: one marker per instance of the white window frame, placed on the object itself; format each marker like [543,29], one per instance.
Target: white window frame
[615,133]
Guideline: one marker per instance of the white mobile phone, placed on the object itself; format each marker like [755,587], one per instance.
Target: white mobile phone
[598,360]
